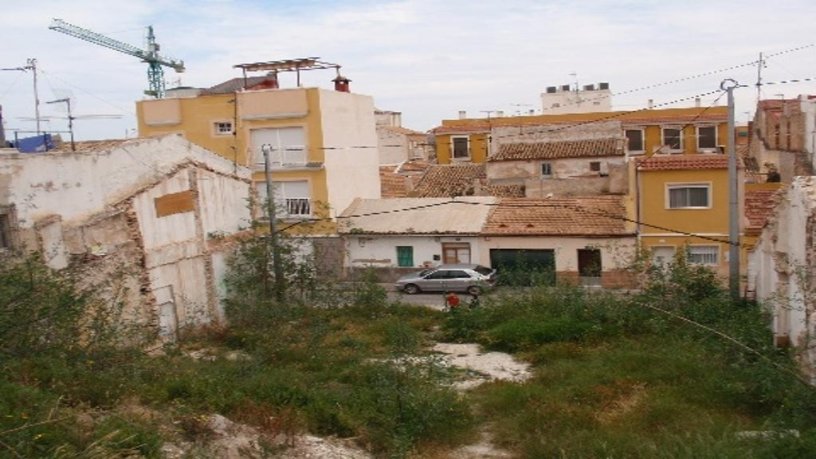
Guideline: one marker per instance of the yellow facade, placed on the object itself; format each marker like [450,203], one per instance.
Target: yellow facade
[651,121]
[197,119]
[703,230]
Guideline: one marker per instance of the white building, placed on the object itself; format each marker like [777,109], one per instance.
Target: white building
[780,270]
[590,98]
[413,232]
[158,211]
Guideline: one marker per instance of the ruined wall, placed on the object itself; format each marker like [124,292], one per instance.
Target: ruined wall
[781,270]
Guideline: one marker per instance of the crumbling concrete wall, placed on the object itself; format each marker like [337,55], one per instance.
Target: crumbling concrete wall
[781,270]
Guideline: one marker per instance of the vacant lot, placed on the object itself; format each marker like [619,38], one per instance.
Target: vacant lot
[611,376]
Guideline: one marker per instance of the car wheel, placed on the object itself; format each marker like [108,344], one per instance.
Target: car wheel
[474,290]
[410,289]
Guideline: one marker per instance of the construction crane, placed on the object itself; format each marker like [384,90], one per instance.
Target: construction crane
[155,62]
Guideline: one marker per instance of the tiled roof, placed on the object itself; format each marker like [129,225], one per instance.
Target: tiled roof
[759,206]
[91,146]
[396,180]
[235,84]
[392,184]
[682,162]
[414,165]
[561,149]
[577,216]
[401,130]
[464,215]
[505,191]
[450,180]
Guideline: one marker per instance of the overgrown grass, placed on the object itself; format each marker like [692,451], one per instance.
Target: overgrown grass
[614,376]
[631,376]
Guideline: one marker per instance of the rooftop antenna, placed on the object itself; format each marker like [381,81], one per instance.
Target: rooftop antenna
[67,102]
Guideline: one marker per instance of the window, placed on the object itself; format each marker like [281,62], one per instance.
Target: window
[595,166]
[688,196]
[706,137]
[287,146]
[546,169]
[222,128]
[703,254]
[453,253]
[673,138]
[405,256]
[460,147]
[292,199]
[634,141]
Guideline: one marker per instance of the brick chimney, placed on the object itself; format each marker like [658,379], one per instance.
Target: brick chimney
[341,84]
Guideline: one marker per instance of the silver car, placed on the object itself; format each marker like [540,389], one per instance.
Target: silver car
[468,278]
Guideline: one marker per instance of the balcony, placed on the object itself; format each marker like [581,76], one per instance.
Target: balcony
[295,207]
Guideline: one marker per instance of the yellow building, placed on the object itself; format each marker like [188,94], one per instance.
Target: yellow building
[322,143]
[683,204]
[674,130]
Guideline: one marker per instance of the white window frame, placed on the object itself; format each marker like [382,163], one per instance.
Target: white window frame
[642,141]
[704,251]
[663,138]
[677,186]
[282,156]
[217,126]
[712,149]
[284,203]
[453,148]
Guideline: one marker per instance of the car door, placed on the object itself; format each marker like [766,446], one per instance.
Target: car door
[458,280]
[435,281]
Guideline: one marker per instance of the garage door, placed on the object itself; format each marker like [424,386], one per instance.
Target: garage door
[524,266]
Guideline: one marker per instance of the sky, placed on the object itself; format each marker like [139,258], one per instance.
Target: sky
[427,59]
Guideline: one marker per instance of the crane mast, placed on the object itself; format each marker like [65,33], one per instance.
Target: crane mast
[155,62]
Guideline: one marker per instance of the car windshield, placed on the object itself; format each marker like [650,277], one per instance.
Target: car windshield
[483,270]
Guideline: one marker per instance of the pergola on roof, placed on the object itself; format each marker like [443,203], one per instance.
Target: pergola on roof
[288,65]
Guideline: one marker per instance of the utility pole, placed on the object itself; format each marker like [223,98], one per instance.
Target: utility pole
[733,196]
[760,65]
[67,102]
[31,64]
[273,232]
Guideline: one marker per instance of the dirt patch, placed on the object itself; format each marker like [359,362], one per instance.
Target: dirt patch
[481,367]
[622,400]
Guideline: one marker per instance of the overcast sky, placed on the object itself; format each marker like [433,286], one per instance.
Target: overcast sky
[427,59]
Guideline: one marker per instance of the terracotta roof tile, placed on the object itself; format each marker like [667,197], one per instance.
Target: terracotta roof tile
[577,216]
[450,180]
[397,181]
[759,206]
[682,162]
[235,84]
[561,149]
[506,191]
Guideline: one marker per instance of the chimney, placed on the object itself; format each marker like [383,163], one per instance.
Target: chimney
[341,84]
[697,102]
[651,103]
[499,113]
[462,114]
[532,111]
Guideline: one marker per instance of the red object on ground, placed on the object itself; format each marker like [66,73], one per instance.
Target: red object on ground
[452,299]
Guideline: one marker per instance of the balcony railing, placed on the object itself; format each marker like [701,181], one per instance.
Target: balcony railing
[296,207]
[294,156]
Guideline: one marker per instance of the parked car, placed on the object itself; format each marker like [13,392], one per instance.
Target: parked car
[468,278]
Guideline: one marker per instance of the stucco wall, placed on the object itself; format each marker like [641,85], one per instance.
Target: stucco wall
[380,251]
[616,253]
[350,142]
[78,185]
